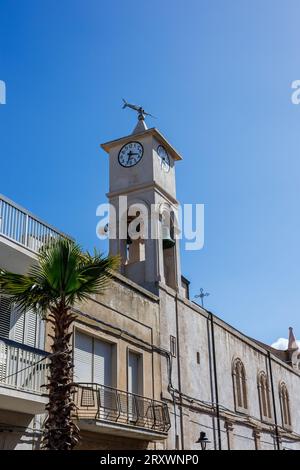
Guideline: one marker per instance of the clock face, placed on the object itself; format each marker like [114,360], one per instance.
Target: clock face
[130,154]
[164,158]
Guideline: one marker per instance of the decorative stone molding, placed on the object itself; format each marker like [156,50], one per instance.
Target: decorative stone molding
[256,436]
[230,437]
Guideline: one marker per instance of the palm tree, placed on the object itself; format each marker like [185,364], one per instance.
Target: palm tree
[63,276]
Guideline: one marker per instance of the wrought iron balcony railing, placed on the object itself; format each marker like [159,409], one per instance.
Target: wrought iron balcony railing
[22,367]
[21,226]
[109,404]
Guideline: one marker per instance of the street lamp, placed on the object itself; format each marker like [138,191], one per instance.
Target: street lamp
[203,440]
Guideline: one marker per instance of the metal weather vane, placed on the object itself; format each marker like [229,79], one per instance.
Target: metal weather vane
[139,109]
[201,296]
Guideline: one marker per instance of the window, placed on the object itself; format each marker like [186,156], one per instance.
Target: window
[92,360]
[135,373]
[264,396]
[134,385]
[168,225]
[239,386]
[185,284]
[198,357]
[173,345]
[285,405]
[22,327]
[4,316]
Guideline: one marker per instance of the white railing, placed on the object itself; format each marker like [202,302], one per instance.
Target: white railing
[24,228]
[22,367]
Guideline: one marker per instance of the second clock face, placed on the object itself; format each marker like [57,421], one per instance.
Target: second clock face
[164,158]
[130,154]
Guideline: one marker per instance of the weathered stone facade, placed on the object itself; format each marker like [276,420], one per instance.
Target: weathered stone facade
[207,399]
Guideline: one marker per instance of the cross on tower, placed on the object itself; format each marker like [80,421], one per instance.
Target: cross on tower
[201,296]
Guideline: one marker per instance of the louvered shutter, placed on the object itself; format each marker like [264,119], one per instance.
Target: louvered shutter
[83,358]
[5,309]
[17,324]
[30,328]
[3,360]
[102,373]
[40,334]
[27,328]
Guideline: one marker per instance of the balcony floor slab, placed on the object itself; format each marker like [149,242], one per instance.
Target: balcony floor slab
[117,429]
[15,257]
[22,401]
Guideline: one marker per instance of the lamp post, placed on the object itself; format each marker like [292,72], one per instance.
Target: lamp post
[203,440]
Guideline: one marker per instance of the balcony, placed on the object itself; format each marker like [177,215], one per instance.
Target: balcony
[22,376]
[19,228]
[108,410]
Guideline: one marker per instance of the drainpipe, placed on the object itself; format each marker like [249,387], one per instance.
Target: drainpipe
[211,381]
[273,400]
[179,372]
[216,381]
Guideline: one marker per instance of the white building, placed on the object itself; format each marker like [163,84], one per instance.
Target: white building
[170,368]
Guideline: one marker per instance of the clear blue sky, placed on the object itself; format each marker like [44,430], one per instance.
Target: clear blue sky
[217,73]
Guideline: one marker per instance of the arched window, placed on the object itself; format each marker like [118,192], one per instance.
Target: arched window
[264,396]
[168,229]
[239,386]
[285,405]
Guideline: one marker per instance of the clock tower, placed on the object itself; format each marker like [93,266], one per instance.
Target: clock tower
[142,190]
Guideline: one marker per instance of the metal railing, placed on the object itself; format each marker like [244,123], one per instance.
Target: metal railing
[105,403]
[22,367]
[21,226]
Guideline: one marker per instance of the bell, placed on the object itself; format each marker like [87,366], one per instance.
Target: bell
[168,242]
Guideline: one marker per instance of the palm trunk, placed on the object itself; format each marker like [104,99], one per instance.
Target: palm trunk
[60,432]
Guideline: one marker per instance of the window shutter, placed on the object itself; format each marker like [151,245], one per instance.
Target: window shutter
[30,329]
[83,358]
[40,334]
[5,309]
[102,363]
[25,328]
[92,360]
[17,324]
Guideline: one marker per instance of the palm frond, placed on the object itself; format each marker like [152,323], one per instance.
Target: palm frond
[63,273]
[93,276]
[24,291]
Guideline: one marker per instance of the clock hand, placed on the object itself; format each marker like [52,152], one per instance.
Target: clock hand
[130,153]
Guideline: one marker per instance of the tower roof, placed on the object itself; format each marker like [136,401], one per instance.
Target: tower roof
[140,127]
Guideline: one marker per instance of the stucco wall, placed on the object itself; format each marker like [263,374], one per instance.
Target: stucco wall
[198,390]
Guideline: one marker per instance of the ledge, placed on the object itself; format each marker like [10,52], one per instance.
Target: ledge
[134,432]
[22,401]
